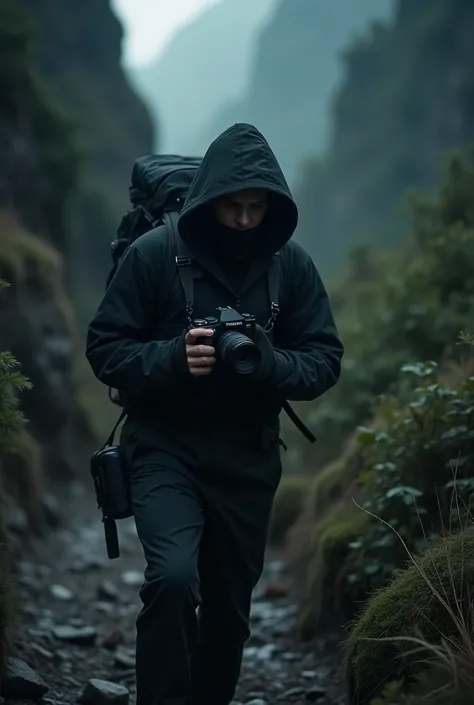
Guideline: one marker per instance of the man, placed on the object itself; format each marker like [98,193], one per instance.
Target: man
[201,443]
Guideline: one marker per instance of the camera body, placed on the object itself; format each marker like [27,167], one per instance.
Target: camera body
[233,339]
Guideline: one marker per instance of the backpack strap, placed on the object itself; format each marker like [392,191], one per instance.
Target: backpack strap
[184,263]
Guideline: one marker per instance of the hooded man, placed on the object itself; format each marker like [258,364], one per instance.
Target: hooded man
[202,444]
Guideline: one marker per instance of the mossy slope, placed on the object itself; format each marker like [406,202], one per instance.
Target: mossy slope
[419,599]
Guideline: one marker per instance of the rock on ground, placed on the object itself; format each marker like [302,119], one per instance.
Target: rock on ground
[20,682]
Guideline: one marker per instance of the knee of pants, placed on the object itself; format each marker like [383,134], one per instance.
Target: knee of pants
[175,580]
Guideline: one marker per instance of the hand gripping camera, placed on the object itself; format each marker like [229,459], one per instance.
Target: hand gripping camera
[233,339]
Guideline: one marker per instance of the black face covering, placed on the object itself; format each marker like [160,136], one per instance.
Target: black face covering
[231,242]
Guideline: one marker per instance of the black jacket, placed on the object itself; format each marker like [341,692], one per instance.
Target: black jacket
[136,340]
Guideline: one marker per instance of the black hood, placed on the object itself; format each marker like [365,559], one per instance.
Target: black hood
[240,158]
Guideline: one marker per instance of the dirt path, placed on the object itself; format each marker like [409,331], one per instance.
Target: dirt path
[77,612]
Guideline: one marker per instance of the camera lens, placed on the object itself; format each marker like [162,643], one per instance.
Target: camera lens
[238,352]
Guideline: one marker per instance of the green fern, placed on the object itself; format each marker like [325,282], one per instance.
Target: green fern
[12,383]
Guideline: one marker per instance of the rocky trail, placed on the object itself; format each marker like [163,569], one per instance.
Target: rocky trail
[75,626]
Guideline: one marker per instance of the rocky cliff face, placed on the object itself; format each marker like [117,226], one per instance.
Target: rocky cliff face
[39,177]
[78,54]
[407,96]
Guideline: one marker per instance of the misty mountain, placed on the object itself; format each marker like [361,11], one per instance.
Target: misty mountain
[407,97]
[295,72]
[207,64]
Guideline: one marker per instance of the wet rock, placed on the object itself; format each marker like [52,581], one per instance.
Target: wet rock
[260,653]
[132,577]
[279,630]
[41,651]
[256,701]
[257,639]
[106,607]
[123,659]
[16,520]
[100,692]
[77,622]
[108,591]
[22,682]
[30,610]
[52,513]
[315,694]
[291,656]
[82,636]
[293,693]
[86,564]
[113,639]
[59,592]
[45,624]
[254,695]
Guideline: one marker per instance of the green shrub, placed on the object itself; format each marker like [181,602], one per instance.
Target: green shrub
[405,306]
[431,598]
[409,469]
[289,501]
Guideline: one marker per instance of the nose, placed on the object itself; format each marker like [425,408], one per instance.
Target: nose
[243,219]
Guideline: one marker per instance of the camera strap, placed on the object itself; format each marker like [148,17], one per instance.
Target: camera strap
[184,263]
[110,439]
[273,279]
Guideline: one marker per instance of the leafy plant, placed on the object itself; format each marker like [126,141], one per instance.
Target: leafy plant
[12,381]
[410,469]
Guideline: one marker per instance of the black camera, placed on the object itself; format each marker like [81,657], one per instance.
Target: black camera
[233,339]
[112,488]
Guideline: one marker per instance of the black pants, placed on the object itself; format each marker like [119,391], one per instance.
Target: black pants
[202,508]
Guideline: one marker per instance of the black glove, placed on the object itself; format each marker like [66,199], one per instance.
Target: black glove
[267,363]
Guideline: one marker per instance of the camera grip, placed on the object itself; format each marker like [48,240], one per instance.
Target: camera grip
[206,340]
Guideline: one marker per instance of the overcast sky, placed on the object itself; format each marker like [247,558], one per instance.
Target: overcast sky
[150,24]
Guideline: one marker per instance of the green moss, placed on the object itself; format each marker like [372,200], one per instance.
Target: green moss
[333,481]
[327,599]
[409,604]
[24,255]
[289,502]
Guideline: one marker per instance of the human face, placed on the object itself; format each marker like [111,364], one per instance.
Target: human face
[242,210]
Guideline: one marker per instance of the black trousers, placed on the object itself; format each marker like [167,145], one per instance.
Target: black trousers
[202,505]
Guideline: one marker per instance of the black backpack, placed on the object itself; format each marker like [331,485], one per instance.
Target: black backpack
[159,185]
[158,189]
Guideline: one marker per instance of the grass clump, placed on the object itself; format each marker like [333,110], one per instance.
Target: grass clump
[288,505]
